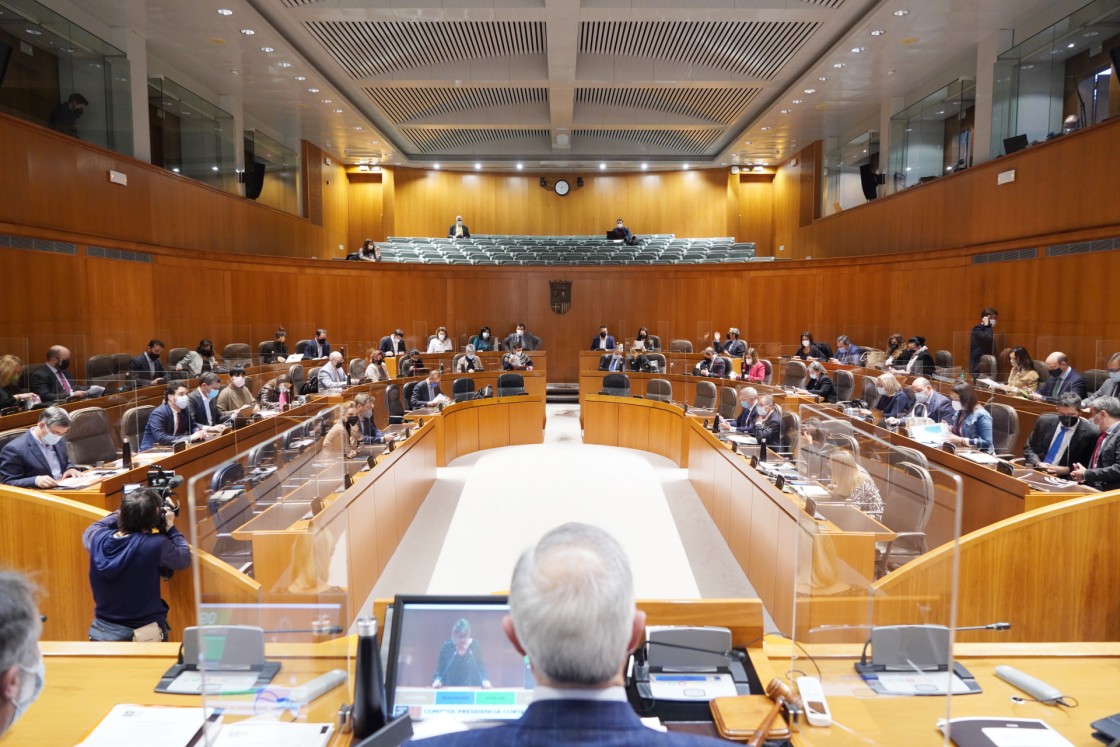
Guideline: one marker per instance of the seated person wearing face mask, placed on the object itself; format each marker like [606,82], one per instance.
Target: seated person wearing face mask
[204,403]
[440,343]
[198,360]
[614,361]
[484,341]
[928,403]
[973,425]
[820,383]
[412,365]
[51,381]
[172,421]
[754,370]
[711,365]
[620,232]
[147,368]
[458,229]
[344,436]
[376,370]
[318,347]
[368,432]
[38,458]
[469,362]
[748,411]
[516,360]
[21,663]
[1061,439]
[603,341]
[332,376]
[392,345]
[894,401]
[277,350]
[1111,386]
[734,347]
[236,395]
[768,423]
[277,392]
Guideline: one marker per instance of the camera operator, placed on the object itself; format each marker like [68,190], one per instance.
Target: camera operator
[128,552]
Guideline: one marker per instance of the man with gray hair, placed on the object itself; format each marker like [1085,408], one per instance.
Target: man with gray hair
[332,377]
[469,362]
[21,662]
[38,458]
[1103,470]
[1111,386]
[573,612]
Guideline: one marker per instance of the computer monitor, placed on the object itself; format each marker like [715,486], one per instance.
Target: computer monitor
[1015,144]
[439,665]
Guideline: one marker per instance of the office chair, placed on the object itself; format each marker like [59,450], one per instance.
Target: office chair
[462,389]
[988,366]
[406,394]
[510,384]
[791,434]
[101,368]
[897,455]
[1094,377]
[301,346]
[313,374]
[393,404]
[133,423]
[90,438]
[262,349]
[728,402]
[654,342]
[237,354]
[869,392]
[705,395]
[228,474]
[766,364]
[1005,428]
[795,374]
[660,390]
[942,359]
[174,355]
[680,346]
[296,374]
[358,368]
[122,361]
[8,436]
[906,512]
[845,384]
[616,385]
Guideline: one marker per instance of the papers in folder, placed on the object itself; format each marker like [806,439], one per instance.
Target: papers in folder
[741,439]
[142,726]
[808,490]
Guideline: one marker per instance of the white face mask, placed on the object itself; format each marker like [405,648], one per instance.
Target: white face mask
[485,335]
[442,336]
[814,376]
[957,405]
[181,402]
[882,392]
[238,381]
[50,439]
[31,684]
[804,343]
[470,356]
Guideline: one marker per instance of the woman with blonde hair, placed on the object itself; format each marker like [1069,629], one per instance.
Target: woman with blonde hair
[894,401]
[345,436]
[850,482]
[10,396]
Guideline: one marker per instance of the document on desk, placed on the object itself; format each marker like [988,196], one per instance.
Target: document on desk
[979,457]
[273,734]
[190,682]
[142,726]
[87,479]
[741,439]
[999,732]
[922,683]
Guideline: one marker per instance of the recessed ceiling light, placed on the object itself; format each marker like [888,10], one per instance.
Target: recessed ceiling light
[266,50]
[328,101]
[901,13]
[301,77]
[857,50]
[823,78]
[313,90]
[225,12]
[839,65]
[645,166]
[797,101]
[477,166]
[285,64]
[810,90]
[358,128]
[941,112]
[890,72]
[748,142]
[766,129]
[248,32]
[338,111]
[1091,34]
[877,32]
[213,168]
[34,32]
[684,166]
[784,111]
[235,72]
[520,166]
[176,169]
[435,166]
[602,167]
[1071,45]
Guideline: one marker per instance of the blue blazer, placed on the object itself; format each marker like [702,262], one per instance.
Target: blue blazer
[573,723]
[308,350]
[160,429]
[976,426]
[939,409]
[420,396]
[139,366]
[595,343]
[22,461]
[1073,383]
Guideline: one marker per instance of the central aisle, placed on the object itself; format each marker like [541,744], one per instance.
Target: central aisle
[514,495]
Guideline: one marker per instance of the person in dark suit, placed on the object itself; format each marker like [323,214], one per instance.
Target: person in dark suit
[1061,439]
[981,341]
[820,383]
[603,341]
[748,412]
[368,432]
[425,391]
[847,352]
[528,340]
[572,612]
[458,229]
[171,422]
[810,349]
[711,365]
[620,232]
[409,364]
[768,423]
[919,362]
[734,347]
[38,458]
[203,402]
[1063,378]
[928,403]
[1111,387]
[277,350]
[392,345]
[1103,469]
[613,361]
[317,347]
[147,368]
[52,381]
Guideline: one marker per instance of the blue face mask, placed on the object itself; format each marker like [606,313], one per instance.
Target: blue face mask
[31,684]
[212,394]
[1114,375]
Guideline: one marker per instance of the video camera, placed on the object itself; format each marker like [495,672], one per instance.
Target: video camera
[164,482]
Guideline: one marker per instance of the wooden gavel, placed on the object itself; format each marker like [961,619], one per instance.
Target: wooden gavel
[780,693]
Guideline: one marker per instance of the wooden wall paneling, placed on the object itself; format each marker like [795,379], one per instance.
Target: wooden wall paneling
[721,498]
[493,427]
[385,508]
[365,206]
[633,427]
[363,551]
[467,430]
[756,212]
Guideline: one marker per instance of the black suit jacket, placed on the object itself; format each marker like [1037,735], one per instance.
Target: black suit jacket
[529,341]
[1079,449]
[770,429]
[451,231]
[139,368]
[309,350]
[199,405]
[48,387]
[823,387]
[1073,383]
[605,362]
[274,350]
[1106,475]
[386,346]
[420,395]
[924,365]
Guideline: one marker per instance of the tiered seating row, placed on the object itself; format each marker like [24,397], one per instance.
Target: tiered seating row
[658,249]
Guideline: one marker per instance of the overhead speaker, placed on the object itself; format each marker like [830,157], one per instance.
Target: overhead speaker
[869,180]
[254,180]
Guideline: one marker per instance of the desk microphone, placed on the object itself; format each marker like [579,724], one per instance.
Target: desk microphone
[325,630]
[727,654]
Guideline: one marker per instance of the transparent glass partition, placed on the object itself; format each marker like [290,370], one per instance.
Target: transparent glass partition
[272,537]
[1057,81]
[849,176]
[933,137]
[271,173]
[64,77]
[875,580]
[190,135]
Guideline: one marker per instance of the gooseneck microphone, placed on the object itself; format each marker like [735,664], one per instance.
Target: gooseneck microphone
[727,654]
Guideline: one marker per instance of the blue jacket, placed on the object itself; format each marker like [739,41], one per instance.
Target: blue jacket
[976,426]
[161,430]
[139,367]
[939,409]
[22,461]
[573,723]
[595,343]
[896,406]
[124,571]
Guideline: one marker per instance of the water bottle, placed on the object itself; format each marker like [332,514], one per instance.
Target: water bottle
[762,449]
[126,454]
[369,683]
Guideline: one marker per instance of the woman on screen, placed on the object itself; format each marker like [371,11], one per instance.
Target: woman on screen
[460,660]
